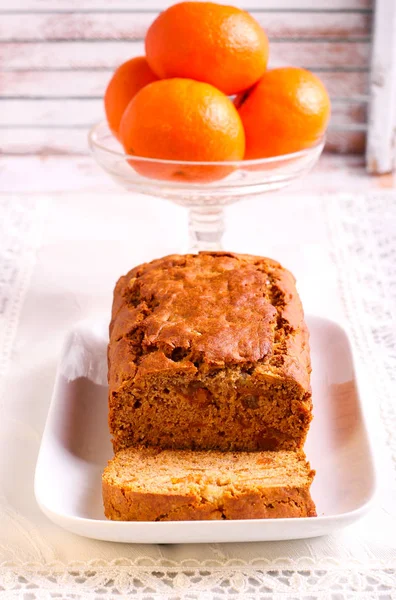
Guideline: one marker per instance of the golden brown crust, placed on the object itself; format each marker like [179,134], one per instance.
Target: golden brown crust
[277,486]
[219,308]
[221,332]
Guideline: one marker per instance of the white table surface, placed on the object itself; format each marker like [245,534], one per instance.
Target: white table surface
[75,234]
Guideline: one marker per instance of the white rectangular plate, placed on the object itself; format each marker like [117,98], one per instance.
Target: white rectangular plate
[76,446]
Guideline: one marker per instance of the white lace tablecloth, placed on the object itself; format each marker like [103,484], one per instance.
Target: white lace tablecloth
[59,258]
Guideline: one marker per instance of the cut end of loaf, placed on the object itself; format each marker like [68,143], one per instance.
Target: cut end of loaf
[209,351]
[150,484]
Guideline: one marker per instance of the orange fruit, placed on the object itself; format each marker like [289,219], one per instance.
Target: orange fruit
[220,45]
[286,111]
[182,120]
[127,80]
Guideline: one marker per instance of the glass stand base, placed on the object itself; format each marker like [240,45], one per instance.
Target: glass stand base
[206,228]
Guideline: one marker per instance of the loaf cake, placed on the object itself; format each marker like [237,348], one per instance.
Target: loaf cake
[209,351]
[149,484]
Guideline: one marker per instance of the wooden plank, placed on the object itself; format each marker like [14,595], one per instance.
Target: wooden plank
[133,26]
[381,141]
[30,113]
[156,5]
[341,142]
[86,112]
[79,84]
[20,141]
[56,84]
[66,141]
[107,55]
[346,113]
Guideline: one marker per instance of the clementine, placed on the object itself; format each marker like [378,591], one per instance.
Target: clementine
[127,80]
[286,111]
[220,45]
[182,120]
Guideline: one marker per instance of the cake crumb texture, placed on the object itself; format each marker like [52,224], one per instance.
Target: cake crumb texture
[151,484]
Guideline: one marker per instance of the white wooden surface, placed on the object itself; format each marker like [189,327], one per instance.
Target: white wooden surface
[156,5]
[131,26]
[54,174]
[56,57]
[381,141]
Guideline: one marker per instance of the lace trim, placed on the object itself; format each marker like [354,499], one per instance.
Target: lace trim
[146,579]
[363,235]
[21,227]
[148,562]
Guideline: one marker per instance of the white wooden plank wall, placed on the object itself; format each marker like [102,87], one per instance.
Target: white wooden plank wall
[381,139]
[56,57]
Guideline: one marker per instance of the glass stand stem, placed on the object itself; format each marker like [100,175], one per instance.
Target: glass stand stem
[206,228]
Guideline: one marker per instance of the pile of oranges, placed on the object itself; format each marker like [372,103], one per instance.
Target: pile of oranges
[203,92]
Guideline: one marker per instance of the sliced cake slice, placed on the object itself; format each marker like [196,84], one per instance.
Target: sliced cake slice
[151,484]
